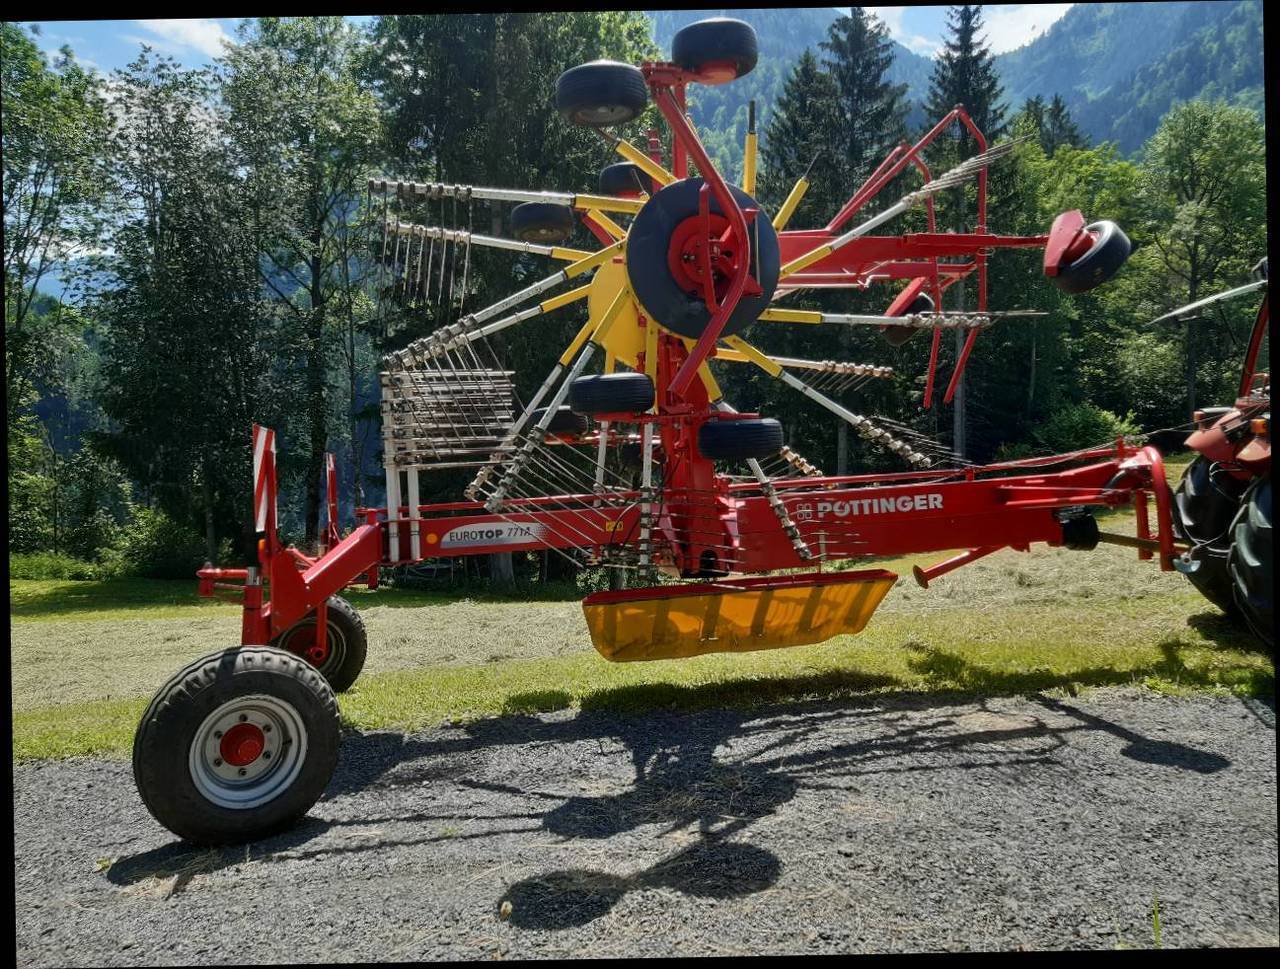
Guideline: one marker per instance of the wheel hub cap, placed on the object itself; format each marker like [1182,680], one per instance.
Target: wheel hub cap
[242,744]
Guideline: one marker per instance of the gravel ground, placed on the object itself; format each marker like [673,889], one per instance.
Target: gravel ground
[904,824]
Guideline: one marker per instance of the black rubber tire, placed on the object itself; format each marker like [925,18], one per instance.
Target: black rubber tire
[161,745]
[563,421]
[625,178]
[545,223]
[666,300]
[898,335]
[1204,506]
[739,440]
[1100,263]
[715,41]
[611,393]
[1251,561]
[601,93]
[345,635]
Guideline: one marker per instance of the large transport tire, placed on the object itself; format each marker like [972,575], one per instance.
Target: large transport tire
[563,421]
[238,745]
[611,393]
[740,440]
[1251,562]
[898,335]
[718,49]
[346,643]
[601,93]
[676,303]
[626,179]
[1204,505]
[545,223]
[1103,260]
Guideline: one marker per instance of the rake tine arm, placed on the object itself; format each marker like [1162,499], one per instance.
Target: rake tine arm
[462,236]
[864,427]
[638,158]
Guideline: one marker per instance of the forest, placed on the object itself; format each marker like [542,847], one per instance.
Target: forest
[209,230]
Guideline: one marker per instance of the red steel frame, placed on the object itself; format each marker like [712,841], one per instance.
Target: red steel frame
[981,509]
[1008,505]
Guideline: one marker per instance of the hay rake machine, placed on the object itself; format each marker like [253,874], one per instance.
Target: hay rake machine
[628,453]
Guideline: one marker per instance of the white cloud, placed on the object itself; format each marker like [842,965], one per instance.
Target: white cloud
[1009,26]
[1005,26]
[892,17]
[206,36]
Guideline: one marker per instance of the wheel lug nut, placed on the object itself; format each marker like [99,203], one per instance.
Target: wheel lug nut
[266,755]
[218,734]
[243,772]
[244,717]
[266,728]
[217,762]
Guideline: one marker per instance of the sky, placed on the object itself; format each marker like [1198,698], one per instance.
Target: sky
[108,44]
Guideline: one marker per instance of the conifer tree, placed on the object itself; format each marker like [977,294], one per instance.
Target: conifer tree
[965,73]
[801,134]
[872,113]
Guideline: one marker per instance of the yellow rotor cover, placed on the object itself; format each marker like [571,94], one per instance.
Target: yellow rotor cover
[734,615]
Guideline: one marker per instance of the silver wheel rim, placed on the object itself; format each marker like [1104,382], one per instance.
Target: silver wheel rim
[242,785]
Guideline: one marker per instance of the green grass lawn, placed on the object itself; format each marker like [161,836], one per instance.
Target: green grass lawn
[88,655]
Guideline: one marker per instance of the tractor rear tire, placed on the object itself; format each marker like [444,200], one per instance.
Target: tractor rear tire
[740,440]
[601,93]
[898,335]
[563,421]
[611,393]
[346,643]
[1204,506]
[1251,563]
[625,178]
[545,223]
[1100,263]
[238,745]
[718,49]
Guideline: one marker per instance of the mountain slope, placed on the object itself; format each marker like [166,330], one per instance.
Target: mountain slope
[1118,66]
[1121,66]
[1221,60]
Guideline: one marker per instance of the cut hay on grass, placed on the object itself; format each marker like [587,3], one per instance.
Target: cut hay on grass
[86,656]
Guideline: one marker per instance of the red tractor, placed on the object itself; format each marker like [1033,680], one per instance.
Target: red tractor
[1222,506]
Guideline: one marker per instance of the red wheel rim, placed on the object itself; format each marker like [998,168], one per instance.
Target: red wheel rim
[685,256]
[242,744]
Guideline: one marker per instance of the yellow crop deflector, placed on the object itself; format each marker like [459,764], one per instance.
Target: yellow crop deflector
[733,615]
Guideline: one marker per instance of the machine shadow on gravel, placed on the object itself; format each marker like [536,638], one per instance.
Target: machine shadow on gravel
[712,772]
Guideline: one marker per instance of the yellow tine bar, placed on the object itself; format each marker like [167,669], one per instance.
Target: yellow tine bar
[607,203]
[611,316]
[789,206]
[714,392]
[576,343]
[564,299]
[593,260]
[808,259]
[610,361]
[755,356]
[749,164]
[651,351]
[780,315]
[634,155]
[568,255]
[607,224]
